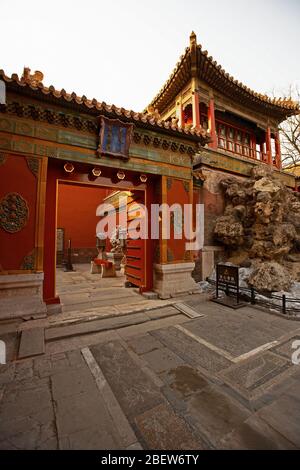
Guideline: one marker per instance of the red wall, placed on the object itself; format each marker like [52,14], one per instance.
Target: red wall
[15,176]
[76,213]
[177,194]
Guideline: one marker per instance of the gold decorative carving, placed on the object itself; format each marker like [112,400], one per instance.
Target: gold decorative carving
[14,212]
[198,175]
[33,165]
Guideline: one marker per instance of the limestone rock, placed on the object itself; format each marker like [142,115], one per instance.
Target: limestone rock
[229,230]
[266,184]
[261,171]
[270,277]
[261,222]
[293,266]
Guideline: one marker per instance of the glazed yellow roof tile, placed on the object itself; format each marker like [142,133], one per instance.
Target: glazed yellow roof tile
[211,72]
[93,104]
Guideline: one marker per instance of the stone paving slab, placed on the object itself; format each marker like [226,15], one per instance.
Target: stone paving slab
[219,332]
[283,415]
[32,343]
[92,438]
[7,373]
[53,402]
[255,434]
[214,414]
[133,389]
[160,428]
[125,431]
[35,432]
[82,418]
[144,343]
[254,374]
[285,349]
[162,360]
[180,384]
[68,382]
[190,350]
[27,419]
[24,370]
[22,398]
[237,332]
[185,381]
[84,413]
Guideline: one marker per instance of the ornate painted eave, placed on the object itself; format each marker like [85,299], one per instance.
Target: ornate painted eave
[196,62]
[35,89]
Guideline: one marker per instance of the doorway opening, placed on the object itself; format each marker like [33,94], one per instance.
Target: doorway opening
[92,271]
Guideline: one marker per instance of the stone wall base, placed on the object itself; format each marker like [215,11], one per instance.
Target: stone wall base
[21,296]
[79,255]
[175,279]
[206,262]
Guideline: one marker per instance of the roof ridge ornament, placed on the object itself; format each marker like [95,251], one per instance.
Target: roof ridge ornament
[151,111]
[32,79]
[193,52]
[193,39]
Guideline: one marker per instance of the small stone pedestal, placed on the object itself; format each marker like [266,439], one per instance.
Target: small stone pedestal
[108,270]
[116,259]
[174,279]
[21,296]
[96,268]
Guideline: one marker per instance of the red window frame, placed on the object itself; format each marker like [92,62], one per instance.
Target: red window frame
[229,141]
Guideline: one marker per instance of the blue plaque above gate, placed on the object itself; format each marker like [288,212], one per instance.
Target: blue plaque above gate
[115,137]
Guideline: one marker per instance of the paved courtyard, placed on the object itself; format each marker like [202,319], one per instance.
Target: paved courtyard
[156,379]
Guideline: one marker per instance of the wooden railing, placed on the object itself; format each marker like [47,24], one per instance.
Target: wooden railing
[244,150]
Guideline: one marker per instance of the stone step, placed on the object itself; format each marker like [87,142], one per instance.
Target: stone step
[150,295]
[187,310]
[89,304]
[90,314]
[22,306]
[32,343]
[115,322]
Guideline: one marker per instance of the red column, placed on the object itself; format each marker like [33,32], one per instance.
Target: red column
[253,147]
[262,152]
[196,109]
[268,146]
[212,123]
[278,151]
[50,296]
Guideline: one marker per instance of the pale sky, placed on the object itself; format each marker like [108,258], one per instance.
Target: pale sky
[122,51]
